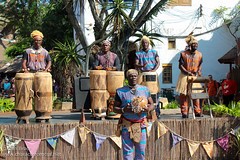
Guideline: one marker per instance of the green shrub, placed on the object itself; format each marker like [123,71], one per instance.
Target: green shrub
[172,105]
[6,105]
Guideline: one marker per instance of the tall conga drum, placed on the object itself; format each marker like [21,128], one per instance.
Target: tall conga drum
[43,96]
[115,80]
[98,79]
[150,80]
[99,102]
[23,96]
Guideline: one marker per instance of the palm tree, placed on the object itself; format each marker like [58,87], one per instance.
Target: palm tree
[66,64]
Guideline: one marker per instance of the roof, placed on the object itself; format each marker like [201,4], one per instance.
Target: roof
[12,67]
[229,57]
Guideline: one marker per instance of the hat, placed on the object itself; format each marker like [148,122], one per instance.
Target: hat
[191,39]
[131,71]
[36,33]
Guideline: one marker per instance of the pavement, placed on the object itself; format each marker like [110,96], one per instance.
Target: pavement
[68,116]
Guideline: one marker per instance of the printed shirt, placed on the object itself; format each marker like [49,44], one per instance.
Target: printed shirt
[148,58]
[106,60]
[229,87]
[125,96]
[36,59]
[212,88]
[191,61]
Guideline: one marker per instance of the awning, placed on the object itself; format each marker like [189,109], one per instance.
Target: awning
[12,67]
[229,57]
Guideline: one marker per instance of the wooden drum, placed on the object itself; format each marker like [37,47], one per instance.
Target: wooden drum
[43,95]
[99,101]
[98,79]
[23,96]
[150,80]
[115,80]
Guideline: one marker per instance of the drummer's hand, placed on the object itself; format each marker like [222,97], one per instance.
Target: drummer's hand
[109,68]
[99,67]
[128,108]
[114,68]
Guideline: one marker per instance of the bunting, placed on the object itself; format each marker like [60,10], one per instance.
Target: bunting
[99,140]
[11,143]
[193,146]
[117,140]
[69,136]
[1,140]
[175,139]
[223,142]
[32,146]
[52,142]
[82,131]
[161,130]
[149,127]
[208,147]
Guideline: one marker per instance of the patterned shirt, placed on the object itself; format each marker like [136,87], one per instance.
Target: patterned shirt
[125,96]
[36,59]
[107,60]
[148,58]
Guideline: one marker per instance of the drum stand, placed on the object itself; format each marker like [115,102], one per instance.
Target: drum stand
[202,95]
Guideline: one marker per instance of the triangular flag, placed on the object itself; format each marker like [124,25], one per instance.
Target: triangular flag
[149,127]
[1,140]
[82,134]
[176,139]
[161,130]
[223,142]
[32,146]
[69,136]
[52,142]
[208,147]
[99,140]
[193,146]
[117,140]
[11,143]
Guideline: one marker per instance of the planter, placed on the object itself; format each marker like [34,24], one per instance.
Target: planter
[62,105]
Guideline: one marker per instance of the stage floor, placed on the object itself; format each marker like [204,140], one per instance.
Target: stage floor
[68,116]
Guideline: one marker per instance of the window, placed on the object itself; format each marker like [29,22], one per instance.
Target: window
[167,73]
[180,3]
[171,43]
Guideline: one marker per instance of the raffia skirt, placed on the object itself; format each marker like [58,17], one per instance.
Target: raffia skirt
[181,87]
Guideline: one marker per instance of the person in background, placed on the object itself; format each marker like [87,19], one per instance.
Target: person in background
[36,58]
[6,87]
[190,64]
[212,90]
[105,59]
[133,102]
[228,89]
[147,60]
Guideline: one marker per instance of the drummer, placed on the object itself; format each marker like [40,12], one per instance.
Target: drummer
[105,59]
[147,60]
[190,64]
[36,58]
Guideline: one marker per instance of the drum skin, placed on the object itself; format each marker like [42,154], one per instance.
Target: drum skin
[43,95]
[98,79]
[23,94]
[115,80]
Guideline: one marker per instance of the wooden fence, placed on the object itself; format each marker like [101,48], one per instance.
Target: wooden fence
[157,148]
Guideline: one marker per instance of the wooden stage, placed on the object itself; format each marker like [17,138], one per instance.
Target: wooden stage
[159,146]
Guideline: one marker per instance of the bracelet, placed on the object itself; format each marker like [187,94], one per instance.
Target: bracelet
[123,109]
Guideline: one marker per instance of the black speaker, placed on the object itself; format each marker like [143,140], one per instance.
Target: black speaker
[81,94]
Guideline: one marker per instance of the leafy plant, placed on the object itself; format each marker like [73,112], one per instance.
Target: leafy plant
[6,105]
[172,105]
[233,109]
